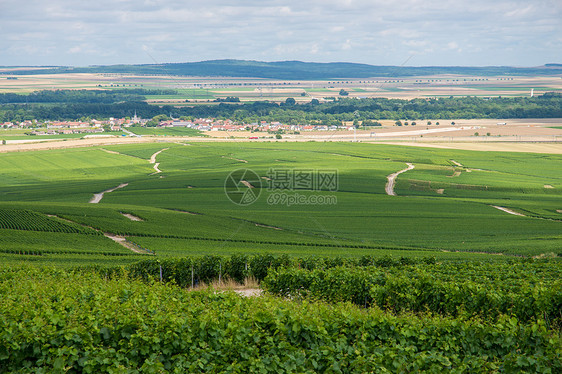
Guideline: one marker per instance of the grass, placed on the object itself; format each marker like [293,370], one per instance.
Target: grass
[38,138]
[454,225]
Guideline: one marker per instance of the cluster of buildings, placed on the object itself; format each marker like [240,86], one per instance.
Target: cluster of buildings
[202,124]
[208,124]
[73,127]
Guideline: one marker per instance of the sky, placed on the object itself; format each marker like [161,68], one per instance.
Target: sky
[377,32]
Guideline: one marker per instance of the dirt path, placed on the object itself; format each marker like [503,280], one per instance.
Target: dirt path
[108,151]
[508,211]
[389,188]
[153,157]
[121,240]
[247,184]
[456,163]
[153,161]
[98,196]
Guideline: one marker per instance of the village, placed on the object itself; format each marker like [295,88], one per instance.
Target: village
[201,124]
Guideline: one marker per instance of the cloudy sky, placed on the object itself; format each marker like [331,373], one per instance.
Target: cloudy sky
[378,32]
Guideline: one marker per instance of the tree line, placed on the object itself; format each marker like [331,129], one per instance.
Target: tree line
[100,104]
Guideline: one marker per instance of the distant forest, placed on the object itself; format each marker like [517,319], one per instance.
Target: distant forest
[99,104]
[295,70]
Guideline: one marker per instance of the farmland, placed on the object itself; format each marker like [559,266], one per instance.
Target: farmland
[82,322]
[200,89]
[441,208]
[434,279]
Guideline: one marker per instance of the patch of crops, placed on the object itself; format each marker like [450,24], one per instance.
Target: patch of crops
[15,219]
[526,290]
[42,252]
[55,321]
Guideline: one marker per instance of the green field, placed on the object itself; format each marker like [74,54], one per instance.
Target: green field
[432,280]
[441,209]
[20,135]
[177,131]
[56,321]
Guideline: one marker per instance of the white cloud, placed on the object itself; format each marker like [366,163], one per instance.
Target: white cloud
[519,32]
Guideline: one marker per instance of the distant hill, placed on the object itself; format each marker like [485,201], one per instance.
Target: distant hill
[293,70]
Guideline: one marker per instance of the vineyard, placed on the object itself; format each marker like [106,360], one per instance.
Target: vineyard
[433,280]
[525,290]
[12,219]
[60,321]
[186,212]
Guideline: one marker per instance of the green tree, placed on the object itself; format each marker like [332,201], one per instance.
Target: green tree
[343,92]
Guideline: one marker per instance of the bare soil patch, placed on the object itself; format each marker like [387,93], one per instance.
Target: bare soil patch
[131,217]
[247,184]
[507,210]
[456,163]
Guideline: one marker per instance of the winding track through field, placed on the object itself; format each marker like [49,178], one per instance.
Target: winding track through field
[98,196]
[507,210]
[153,160]
[121,240]
[389,188]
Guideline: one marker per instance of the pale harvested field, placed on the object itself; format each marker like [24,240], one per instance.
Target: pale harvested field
[523,135]
[278,90]
[551,148]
